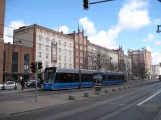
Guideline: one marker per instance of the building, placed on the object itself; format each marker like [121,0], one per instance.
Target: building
[120,53]
[128,67]
[141,63]
[80,49]
[16,61]
[50,47]
[2,18]
[101,58]
[155,71]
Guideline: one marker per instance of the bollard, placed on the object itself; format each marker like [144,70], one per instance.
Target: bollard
[97,92]
[113,90]
[86,95]
[119,89]
[72,97]
[106,91]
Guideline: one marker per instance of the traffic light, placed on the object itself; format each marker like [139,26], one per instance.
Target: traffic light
[86,4]
[33,67]
[39,65]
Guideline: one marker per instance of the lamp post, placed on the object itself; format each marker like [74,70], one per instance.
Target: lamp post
[13,49]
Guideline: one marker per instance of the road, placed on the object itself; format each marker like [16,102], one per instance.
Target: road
[140,103]
[11,96]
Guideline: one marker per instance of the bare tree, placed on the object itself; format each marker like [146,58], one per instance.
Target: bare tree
[100,60]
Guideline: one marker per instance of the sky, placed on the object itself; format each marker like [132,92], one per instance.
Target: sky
[131,24]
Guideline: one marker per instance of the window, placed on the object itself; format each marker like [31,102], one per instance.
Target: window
[47,39]
[59,50]
[40,37]
[47,55]
[70,59]
[65,58]
[59,42]
[84,48]
[70,65]
[26,62]
[59,64]
[4,61]
[59,57]
[70,44]
[77,46]
[65,44]
[65,65]
[70,52]
[40,46]
[53,40]
[65,51]
[47,47]
[47,63]
[40,54]
[15,61]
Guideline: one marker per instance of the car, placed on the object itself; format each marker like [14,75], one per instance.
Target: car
[32,83]
[8,85]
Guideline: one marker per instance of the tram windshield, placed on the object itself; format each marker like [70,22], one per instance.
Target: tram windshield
[49,74]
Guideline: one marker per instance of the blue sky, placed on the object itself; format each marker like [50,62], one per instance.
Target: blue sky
[130,23]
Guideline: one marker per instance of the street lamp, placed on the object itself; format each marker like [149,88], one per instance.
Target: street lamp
[13,49]
[158,30]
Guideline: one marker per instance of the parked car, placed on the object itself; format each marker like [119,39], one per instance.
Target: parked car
[8,85]
[32,83]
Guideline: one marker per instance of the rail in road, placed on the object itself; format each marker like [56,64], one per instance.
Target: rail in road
[139,103]
[30,94]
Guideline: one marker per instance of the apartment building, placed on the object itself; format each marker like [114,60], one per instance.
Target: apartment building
[50,47]
[141,63]
[101,58]
[2,17]
[80,49]
[128,67]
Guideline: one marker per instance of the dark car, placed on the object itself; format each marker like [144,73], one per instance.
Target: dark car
[32,83]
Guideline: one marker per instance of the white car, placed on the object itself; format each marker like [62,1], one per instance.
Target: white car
[9,85]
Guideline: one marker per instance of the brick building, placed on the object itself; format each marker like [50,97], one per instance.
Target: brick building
[2,16]
[16,61]
[80,49]
[141,63]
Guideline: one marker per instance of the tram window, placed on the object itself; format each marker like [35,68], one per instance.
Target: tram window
[112,77]
[49,77]
[87,77]
[75,77]
[104,77]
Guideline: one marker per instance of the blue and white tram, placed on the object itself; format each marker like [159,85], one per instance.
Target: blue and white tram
[62,78]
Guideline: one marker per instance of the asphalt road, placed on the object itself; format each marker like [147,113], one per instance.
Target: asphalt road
[140,103]
[13,96]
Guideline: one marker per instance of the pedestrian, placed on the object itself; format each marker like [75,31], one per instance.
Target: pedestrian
[41,82]
[22,84]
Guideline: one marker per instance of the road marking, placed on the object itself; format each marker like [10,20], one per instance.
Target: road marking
[142,102]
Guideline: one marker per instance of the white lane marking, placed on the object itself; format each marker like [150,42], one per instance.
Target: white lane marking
[149,98]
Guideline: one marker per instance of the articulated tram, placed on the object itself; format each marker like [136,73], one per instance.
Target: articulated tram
[62,78]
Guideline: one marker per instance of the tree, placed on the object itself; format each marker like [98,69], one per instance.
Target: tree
[100,60]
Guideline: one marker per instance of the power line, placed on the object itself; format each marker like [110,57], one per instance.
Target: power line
[34,34]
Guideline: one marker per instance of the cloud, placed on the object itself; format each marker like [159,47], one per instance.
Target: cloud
[9,30]
[157,21]
[134,15]
[148,48]
[156,57]
[65,29]
[150,38]
[157,42]
[88,26]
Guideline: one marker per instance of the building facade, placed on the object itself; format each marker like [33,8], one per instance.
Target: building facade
[50,47]
[16,62]
[101,58]
[141,63]
[155,71]
[80,49]
[128,67]
[2,18]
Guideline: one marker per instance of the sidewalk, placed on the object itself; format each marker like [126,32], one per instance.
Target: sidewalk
[18,90]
